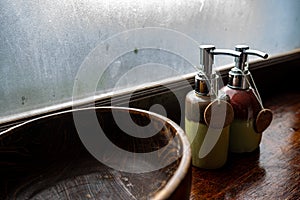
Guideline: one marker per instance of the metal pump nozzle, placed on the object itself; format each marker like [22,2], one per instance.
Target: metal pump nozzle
[239,74]
[206,80]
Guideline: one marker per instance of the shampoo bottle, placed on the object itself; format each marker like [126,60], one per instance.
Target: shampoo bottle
[250,118]
[208,116]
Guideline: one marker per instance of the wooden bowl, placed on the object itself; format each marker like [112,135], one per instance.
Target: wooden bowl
[51,157]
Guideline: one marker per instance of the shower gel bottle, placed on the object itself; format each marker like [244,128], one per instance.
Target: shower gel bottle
[250,118]
[208,116]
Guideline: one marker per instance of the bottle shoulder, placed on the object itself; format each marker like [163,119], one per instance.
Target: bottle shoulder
[195,106]
[242,96]
[244,102]
[193,97]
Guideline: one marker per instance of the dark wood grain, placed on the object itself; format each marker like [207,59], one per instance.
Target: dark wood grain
[271,172]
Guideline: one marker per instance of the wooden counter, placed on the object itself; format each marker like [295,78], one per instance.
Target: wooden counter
[272,172]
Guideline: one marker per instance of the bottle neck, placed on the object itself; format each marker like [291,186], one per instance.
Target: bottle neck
[206,86]
[238,80]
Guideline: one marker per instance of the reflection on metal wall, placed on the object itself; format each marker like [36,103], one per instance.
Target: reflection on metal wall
[44,44]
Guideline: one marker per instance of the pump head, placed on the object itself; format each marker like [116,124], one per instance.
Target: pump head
[206,80]
[238,76]
[241,61]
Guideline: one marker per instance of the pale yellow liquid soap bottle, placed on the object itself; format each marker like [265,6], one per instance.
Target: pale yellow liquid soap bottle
[207,115]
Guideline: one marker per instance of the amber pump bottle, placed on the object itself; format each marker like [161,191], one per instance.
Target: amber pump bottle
[208,116]
[250,118]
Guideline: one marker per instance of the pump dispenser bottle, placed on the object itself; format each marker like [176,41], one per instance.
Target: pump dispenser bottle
[208,116]
[250,118]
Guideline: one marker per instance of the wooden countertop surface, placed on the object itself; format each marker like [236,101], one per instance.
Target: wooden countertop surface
[271,172]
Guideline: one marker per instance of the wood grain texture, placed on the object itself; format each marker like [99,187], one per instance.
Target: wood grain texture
[271,172]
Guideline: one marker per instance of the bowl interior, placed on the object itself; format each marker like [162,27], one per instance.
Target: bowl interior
[51,157]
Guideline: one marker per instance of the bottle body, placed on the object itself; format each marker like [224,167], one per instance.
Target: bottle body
[243,137]
[197,132]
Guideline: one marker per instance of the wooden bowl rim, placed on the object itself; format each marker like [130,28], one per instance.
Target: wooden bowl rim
[185,161]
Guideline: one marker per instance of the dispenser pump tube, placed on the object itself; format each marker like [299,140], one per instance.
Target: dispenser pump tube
[205,81]
[238,76]
[241,61]
[207,53]
[206,58]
